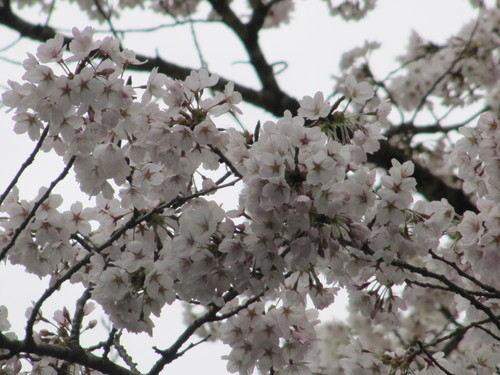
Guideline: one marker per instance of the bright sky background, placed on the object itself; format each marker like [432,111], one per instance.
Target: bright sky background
[311,44]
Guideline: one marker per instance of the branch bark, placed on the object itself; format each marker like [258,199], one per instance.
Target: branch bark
[69,354]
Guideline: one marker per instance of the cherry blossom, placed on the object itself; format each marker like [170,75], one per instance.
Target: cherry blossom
[314,213]
[52,50]
[358,92]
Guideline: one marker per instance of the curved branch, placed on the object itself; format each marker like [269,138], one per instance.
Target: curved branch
[452,288]
[72,355]
[170,354]
[249,36]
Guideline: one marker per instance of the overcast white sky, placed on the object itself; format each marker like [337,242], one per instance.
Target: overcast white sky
[311,45]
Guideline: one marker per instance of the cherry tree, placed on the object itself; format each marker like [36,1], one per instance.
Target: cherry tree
[353,189]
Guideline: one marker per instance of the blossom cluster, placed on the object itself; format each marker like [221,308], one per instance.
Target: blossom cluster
[312,217]
[278,12]
[471,56]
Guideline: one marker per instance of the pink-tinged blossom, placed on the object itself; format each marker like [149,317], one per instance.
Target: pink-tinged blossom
[314,108]
[85,87]
[26,122]
[78,218]
[358,92]
[275,193]
[132,197]
[200,80]
[128,58]
[389,209]
[200,220]
[310,215]
[111,47]
[224,102]
[471,228]
[43,76]
[18,95]
[112,162]
[82,44]
[383,110]
[320,168]
[156,86]
[44,367]
[52,50]
[159,284]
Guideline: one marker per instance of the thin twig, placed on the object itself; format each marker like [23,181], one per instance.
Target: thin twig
[192,345]
[447,289]
[25,165]
[122,352]
[170,354]
[78,316]
[51,11]
[226,161]
[442,76]
[12,44]
[30,216]
[494,293]
[452,286]
[197,46]
[64,353]
[431,358]
[107,18]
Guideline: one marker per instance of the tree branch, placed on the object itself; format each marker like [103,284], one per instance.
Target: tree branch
[122,352]
[249,36]
[170,354]
[446,73]
[25,165]
[454,288]
[72,355]
[76,323]
[32,213]
[495,293]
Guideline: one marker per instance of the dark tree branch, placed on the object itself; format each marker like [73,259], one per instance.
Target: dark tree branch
[104,345]
[432,360]
[412,129]
[249,36]
[107,17]
[170,354]
[226,161]
[173,352]
[26,29]
[133,222]
[447,289]
[454,288]
[76,324]
[451,286]
[72,355]
[122,352]
[25,165]
[495,293]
